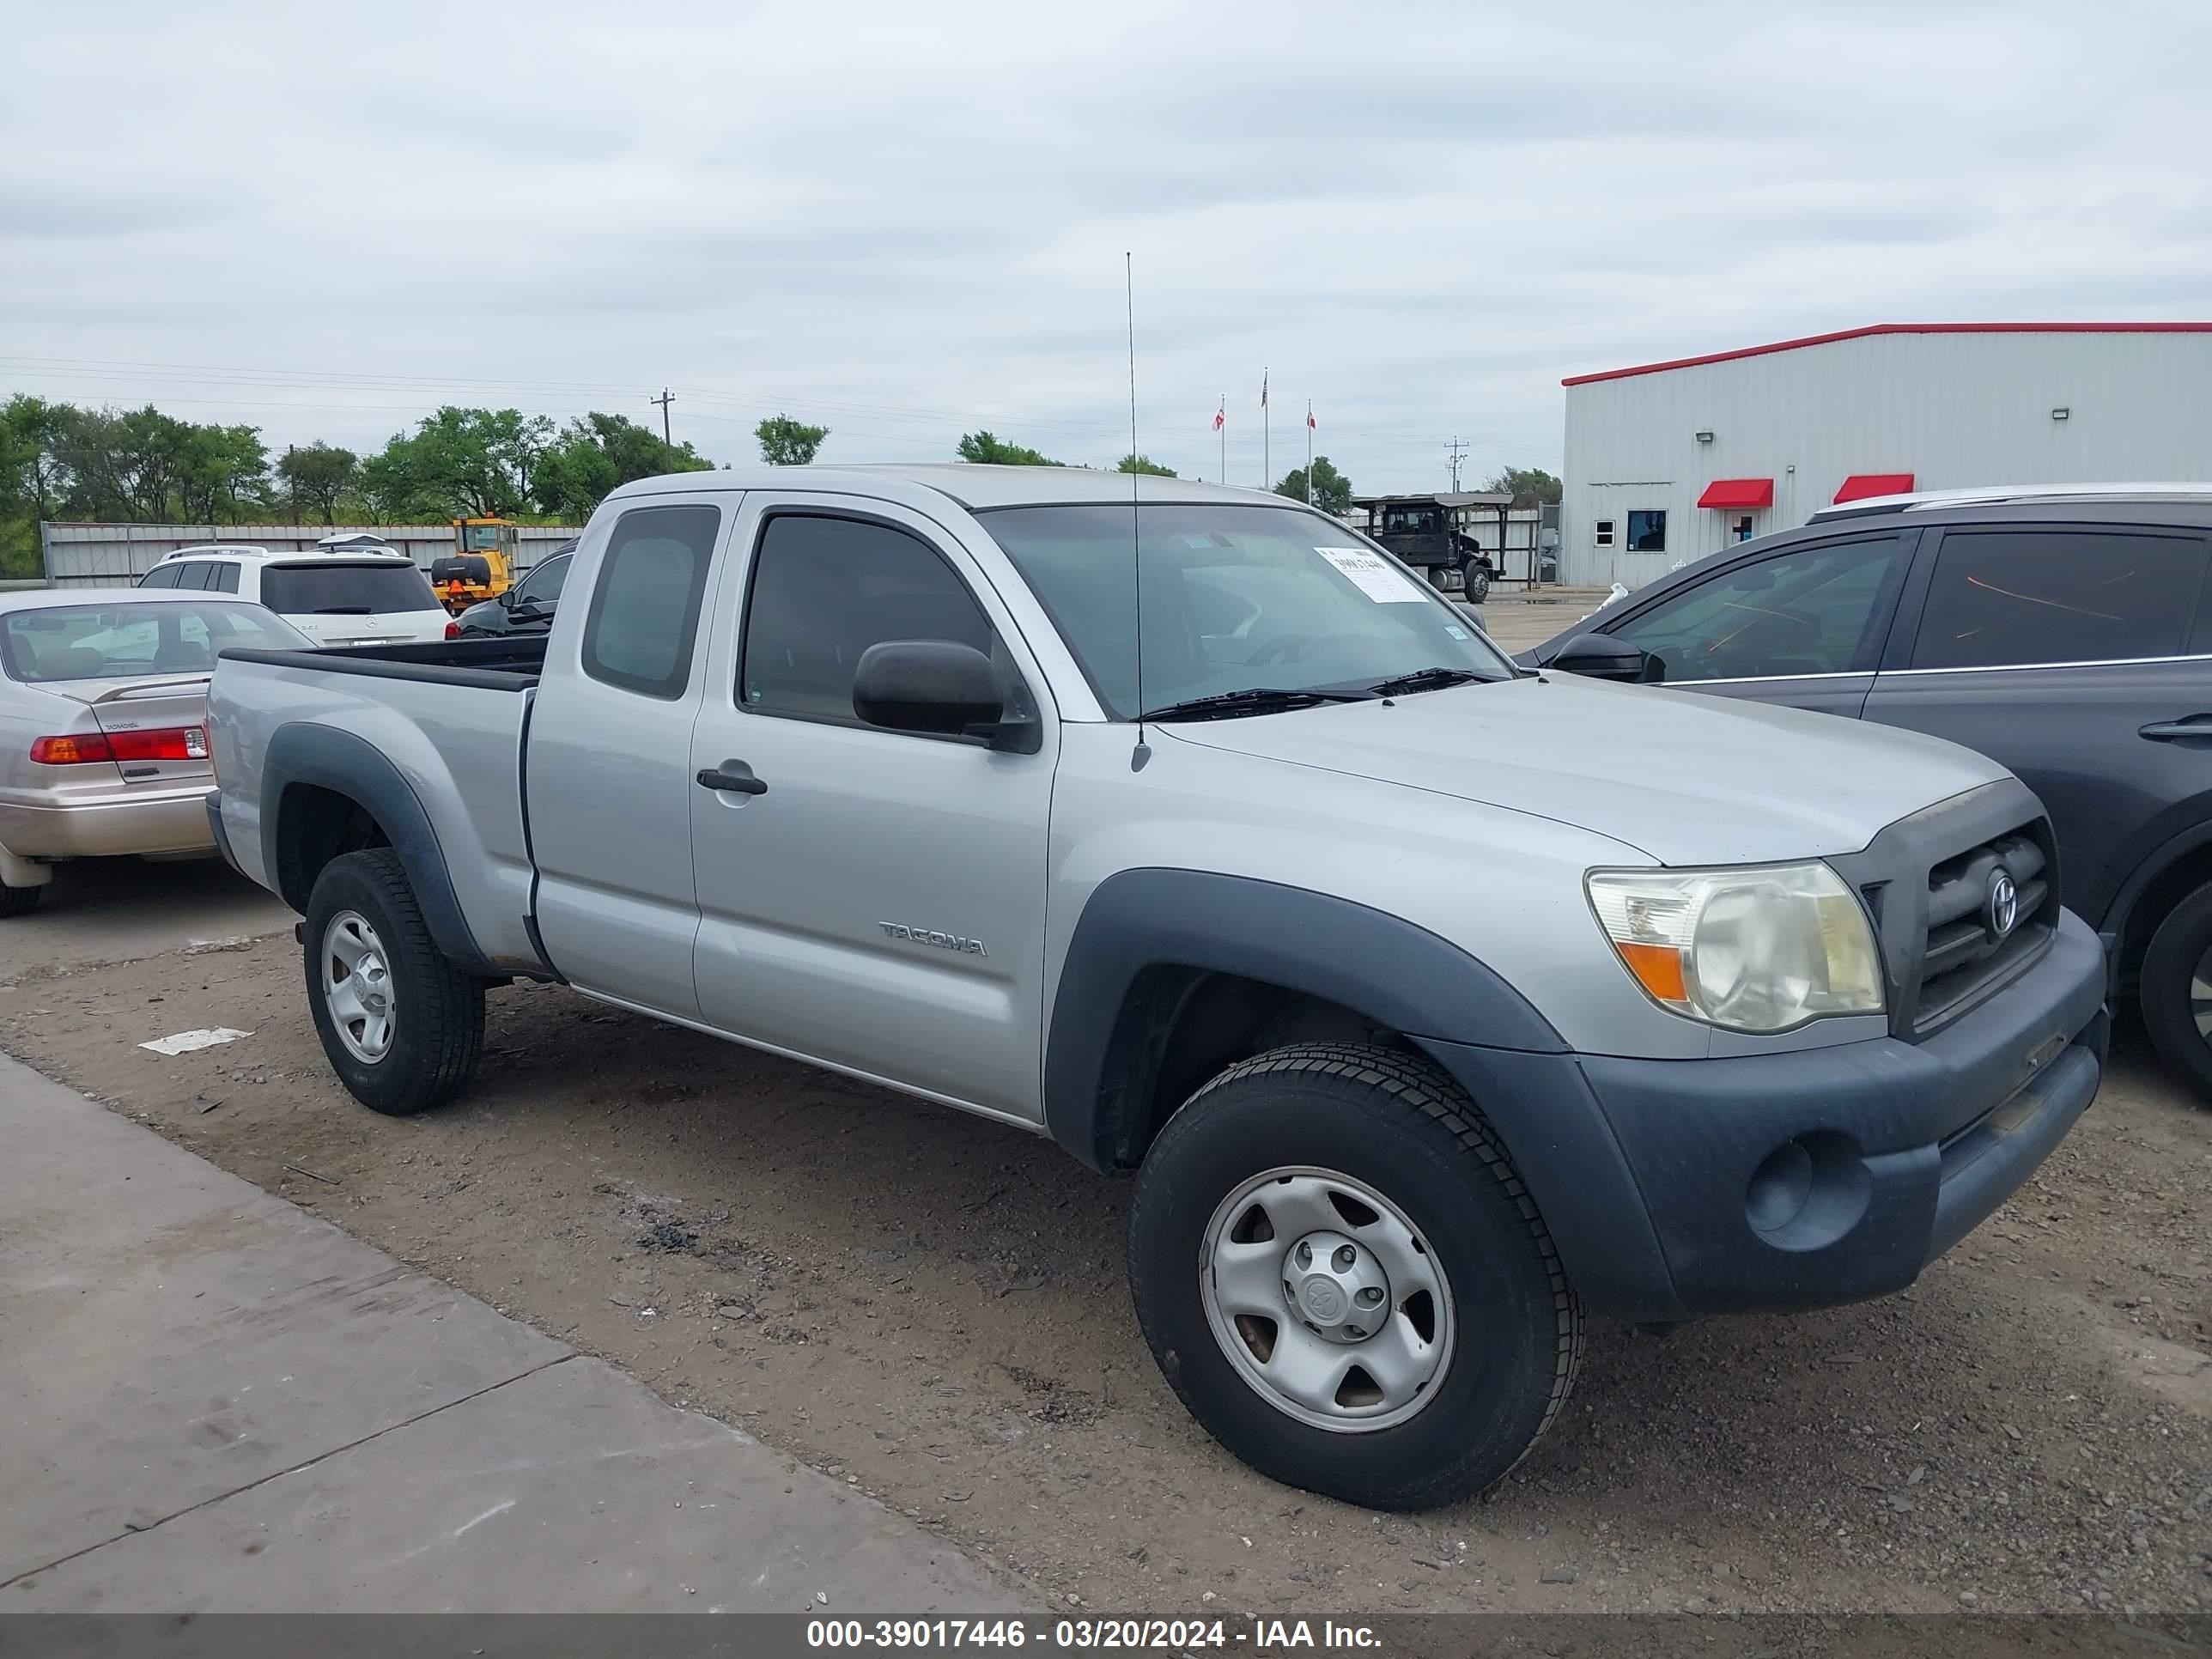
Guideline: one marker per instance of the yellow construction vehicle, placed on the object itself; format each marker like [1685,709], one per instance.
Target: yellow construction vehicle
[482,564]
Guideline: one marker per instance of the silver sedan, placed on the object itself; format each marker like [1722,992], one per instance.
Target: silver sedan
[103,701]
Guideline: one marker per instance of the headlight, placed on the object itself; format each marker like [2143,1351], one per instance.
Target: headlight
[1762,949]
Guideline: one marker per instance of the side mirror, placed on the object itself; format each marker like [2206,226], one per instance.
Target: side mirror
[1602,657]
[938,687]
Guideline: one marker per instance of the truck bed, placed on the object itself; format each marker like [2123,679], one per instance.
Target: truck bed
[429,738]
[498,665]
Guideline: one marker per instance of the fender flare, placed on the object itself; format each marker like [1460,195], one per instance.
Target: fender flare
[1386,968]
[351,766]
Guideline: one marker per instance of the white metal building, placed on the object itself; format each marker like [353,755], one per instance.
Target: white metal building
[1668,462]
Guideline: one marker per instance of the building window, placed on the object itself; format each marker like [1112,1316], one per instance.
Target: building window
[1647,531]
[1605,532]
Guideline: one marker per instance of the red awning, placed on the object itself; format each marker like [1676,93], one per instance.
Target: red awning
[1860,485]
[1738,492]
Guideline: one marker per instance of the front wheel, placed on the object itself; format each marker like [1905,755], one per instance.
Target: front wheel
[401,1025]
[1478,584]
[1345,1281]
[2175,990]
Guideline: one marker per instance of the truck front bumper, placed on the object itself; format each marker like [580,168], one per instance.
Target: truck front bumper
[1678,1187]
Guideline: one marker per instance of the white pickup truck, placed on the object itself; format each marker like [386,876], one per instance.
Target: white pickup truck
[1432,1002]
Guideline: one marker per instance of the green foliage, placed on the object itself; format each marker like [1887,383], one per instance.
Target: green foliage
[475,463]
[1332,491]
[787,442]
[598,452]
[1144,464]
[317,475]
[984,450]
[1528,485]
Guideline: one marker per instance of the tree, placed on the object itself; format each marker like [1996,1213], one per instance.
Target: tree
[787,442]
[596,454]
[32,476]
[1332,491]
[220,473]
[319,474]
[1144,464]
[471,462]
[984,450]
[1528,485]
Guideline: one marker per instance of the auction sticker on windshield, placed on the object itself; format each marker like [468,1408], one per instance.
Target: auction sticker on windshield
[1373,576]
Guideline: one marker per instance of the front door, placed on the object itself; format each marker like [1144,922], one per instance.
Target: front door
[1803,626]
[871,899]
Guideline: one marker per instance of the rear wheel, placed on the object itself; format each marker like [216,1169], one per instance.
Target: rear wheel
[1345,1281]
[401,1025]
[19,901]
[2175,990]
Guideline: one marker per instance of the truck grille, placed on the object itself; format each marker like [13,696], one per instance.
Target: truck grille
[1963,955]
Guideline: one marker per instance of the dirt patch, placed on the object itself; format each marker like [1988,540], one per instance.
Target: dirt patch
[932,1307]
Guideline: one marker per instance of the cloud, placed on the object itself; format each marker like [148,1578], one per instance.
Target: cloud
[903,222]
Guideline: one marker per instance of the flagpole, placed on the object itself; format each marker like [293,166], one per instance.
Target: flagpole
[1222,426]
[1266,431]
[1309,452]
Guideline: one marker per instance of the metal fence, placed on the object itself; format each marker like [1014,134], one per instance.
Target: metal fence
[117,555]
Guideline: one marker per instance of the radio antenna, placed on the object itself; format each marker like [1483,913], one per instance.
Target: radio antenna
[1142,752]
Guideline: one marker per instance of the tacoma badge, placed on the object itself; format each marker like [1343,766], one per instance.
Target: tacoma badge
[973,947]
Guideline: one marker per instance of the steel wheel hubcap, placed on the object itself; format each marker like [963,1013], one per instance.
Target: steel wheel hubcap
[2200,996]
[357,986]
[1326,1299]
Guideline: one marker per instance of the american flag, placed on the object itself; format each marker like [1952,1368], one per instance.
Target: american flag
[1221,417]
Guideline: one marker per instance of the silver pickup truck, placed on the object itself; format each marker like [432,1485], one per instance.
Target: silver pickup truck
[1432,1002]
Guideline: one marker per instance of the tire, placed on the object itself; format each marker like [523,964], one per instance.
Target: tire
[2165,990]
[1478,584]
[1504,1337]
[19,901]
[432,1012]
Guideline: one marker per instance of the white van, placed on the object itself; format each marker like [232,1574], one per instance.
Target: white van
[362,596]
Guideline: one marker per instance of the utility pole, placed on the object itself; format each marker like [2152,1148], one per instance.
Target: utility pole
[1455,452]
[665,398]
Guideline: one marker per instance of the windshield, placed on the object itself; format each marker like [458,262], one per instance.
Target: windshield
[358,590]
[118,642]
[482,538]
[1234,597]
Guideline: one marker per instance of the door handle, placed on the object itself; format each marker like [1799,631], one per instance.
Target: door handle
[2198,726]
[741,782]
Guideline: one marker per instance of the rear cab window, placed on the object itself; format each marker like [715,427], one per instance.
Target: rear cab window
[2007,597]
[644,615]
[336,588]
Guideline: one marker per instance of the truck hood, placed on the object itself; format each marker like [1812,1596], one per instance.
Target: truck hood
[1687,778]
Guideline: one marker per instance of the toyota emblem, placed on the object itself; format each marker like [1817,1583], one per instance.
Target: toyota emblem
[2001,911]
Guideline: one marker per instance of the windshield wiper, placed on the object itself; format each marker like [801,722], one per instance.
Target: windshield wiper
[1253,700]
[1424,679]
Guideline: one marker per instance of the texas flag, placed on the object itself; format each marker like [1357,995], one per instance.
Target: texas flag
[1310,419]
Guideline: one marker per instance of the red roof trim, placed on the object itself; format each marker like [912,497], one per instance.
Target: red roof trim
[1864,486]
[1892,328]
[1739,494]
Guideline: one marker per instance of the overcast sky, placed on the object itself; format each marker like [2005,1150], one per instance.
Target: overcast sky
[905,220]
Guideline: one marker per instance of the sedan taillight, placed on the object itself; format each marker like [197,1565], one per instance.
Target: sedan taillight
[454,628]
[174,743]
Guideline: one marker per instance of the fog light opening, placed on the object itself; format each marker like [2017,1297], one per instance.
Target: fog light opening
[1808,1192]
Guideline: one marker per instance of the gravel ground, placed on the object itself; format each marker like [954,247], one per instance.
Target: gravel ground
[930,1307]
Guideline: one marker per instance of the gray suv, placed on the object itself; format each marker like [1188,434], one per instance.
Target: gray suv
[2066,633]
